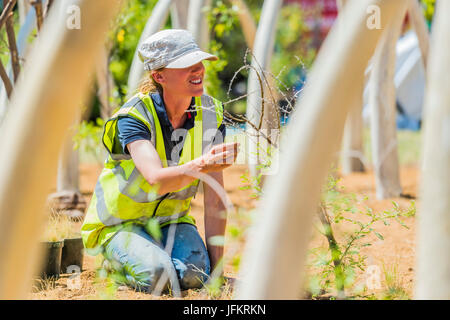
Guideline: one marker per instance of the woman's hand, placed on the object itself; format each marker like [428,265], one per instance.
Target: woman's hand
[218,158]
[174,178]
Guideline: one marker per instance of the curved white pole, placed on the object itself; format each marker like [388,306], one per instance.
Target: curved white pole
[24,7]
[155,23]
[352,154]
[47,98]
[383,116]
[276,249]
[433,243]
[421,29]
[262,53]
[197,23]
[179,13]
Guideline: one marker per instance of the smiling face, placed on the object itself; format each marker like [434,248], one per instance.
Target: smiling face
[186,82]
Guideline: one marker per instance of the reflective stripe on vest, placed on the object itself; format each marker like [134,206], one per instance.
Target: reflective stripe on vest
[122,193]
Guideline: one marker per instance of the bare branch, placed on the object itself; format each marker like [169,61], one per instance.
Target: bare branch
[37,4]
[8,6]
[47,8]
[6,80]
[9,24]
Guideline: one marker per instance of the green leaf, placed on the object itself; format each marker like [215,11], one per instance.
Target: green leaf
[234,231]
[379,235]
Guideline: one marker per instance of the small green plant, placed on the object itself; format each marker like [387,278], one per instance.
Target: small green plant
[252,183]
[394,287]
[256,182]
[338,264]
[213,287]
[409,212]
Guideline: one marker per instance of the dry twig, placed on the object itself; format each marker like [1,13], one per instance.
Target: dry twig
[37,4]
[9,24]
[6,80]
[7,8]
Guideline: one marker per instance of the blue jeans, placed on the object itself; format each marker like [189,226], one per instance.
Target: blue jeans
[143,262]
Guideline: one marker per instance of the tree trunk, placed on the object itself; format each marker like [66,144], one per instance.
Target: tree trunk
[433,243]
[274,258]
[156,21]
[38,123]
[382,102]
[262,111]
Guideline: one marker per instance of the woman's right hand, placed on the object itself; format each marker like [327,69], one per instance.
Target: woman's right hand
[218,158]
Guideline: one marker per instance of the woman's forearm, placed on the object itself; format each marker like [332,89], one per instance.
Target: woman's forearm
[171,179]
[149,165]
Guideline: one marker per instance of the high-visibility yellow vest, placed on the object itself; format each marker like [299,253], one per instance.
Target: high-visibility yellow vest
[122,196]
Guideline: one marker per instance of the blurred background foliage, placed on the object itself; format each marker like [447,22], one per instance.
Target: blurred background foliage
[428,9]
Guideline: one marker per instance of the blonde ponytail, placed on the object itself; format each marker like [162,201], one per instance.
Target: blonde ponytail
[149,85]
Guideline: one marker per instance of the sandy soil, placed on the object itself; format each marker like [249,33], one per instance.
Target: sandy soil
[396,251]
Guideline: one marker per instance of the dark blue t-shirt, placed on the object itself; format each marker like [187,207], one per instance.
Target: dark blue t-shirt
[131,129]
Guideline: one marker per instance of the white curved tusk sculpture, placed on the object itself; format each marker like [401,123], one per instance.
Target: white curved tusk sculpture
[421,29]
[45,103]
[197,23]
[382,101]
[274,258]
[352,153]
[262,53]
[179,13]
[433,243]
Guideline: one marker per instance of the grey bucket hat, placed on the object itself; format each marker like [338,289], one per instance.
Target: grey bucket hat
[172,48]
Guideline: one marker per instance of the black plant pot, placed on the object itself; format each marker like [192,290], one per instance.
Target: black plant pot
[72,255]
[52,261]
